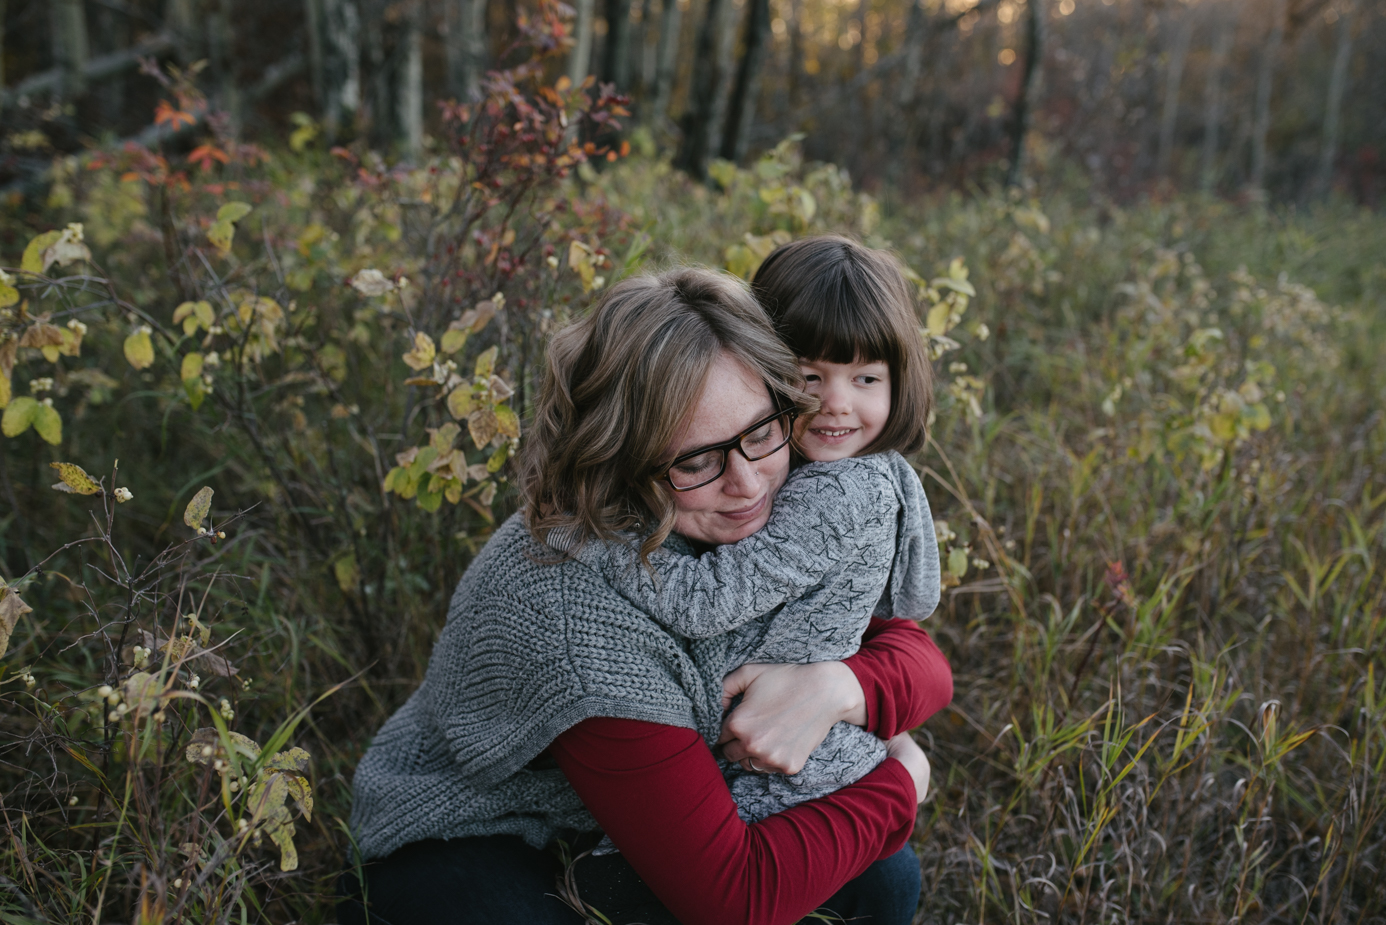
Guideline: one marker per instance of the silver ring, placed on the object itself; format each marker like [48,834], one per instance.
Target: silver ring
[758,770]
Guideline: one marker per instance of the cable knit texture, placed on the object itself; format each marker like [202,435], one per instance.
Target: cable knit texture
[845,539]
[530,649]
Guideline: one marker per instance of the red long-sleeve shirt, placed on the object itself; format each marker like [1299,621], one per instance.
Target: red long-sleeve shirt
[657,791]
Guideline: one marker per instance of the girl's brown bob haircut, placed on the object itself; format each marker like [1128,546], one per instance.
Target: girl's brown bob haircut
[619,385]
[834,300]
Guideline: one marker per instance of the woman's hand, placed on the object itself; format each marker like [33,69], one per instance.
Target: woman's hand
[786,712]
[904,749]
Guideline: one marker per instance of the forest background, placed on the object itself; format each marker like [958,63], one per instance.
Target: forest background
[275,281]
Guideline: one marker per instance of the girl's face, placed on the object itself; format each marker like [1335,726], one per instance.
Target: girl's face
[855,405]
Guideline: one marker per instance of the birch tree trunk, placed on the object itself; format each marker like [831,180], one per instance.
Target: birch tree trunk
[1029,89]
[341,65]
[1212,111]
[1265,81]
[70,51]
[409,83]
[707,77]
[1169,117]
[466,47]
[1337,84]
[616,53]
[580,61]
[666,58]
[742,106]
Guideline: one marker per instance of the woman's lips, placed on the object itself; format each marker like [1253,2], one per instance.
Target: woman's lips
[749,512]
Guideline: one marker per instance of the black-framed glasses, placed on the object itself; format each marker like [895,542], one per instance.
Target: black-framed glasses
[707,463]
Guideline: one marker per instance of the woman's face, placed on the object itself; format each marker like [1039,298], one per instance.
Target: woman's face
[737,504]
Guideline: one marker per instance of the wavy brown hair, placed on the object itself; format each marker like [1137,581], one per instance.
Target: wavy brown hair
[835,300]
[619,385]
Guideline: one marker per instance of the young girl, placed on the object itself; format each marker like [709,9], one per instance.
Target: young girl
[850,535]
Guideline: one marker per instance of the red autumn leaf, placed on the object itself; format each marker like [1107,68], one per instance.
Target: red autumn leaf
[205,154]
[164,113]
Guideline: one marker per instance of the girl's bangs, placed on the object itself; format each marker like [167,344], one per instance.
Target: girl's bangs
[844,328]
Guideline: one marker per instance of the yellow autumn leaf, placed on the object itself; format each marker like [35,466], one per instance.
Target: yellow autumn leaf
[938,318]
[221,234]
[453,339]
[461,403]
[233,211]
[507,422]
[421,357]
[4,389]
[8,294]
[32,261]
[48,424]
[139,349]
[486,363]
[75,479]
[197,508]
[191,368]
[11,609]
[19,415]
[482,425]
[347,572]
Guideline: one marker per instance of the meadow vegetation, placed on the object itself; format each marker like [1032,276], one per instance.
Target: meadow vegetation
[284,384]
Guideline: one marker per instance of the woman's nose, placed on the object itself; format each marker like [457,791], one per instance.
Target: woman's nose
[742,479]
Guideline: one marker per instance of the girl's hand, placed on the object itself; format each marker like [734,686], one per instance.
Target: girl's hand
[904,749]
[786,712]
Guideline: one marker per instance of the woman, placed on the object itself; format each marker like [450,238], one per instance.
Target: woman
[552,707]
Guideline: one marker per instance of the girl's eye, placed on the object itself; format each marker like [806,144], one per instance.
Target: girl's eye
[810,377]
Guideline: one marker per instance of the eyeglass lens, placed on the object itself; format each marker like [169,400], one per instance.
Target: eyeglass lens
[708,466]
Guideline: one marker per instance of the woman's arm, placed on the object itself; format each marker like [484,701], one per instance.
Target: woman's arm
[823,519]
[896,681]
[658,793]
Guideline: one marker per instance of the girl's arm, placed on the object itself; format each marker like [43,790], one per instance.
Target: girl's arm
[896,681]
[658,793]
[823,518]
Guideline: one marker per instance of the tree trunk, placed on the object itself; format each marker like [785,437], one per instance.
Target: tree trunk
[580,60]
[1029,89]
[341,65]
[409,81]
[707,77]
[666,58]
[70,52]
[616,57]
[2,55]
[726,53]
[381,112]
[1169,117]
[1265,81]
[312,21]
[466,47]
[646,49]
[796,53]
[1337,83]
[180,20]
[220,47]
[1212,112]
[742,107]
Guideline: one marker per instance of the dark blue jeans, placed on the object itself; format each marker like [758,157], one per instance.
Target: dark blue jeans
[499,879]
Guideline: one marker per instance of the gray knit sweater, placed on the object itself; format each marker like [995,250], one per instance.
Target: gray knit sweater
[845,539]
[530,649]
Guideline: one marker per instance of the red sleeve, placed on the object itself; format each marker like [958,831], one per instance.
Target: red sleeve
[904,676]
[659,794]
